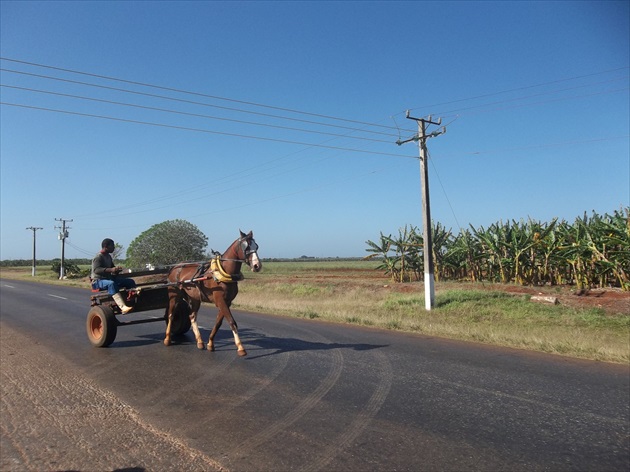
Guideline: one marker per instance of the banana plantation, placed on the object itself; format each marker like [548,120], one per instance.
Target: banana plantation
[591,252]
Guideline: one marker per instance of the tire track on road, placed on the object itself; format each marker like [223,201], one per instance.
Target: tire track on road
[362,420]
[299,411]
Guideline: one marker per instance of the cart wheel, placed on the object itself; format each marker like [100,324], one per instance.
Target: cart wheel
[101,326]
[181,319]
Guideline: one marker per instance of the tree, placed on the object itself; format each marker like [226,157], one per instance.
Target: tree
[166,243]
[118,250]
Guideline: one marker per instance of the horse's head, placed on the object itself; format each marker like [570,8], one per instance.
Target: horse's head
[249,249]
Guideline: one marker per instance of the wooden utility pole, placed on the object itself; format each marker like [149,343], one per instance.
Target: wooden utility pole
[421,138]
[63,234]
[34,263]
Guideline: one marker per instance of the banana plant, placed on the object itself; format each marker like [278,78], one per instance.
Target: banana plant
[382,250]
[442,238]
[590,252]
[464,257]
[494,242]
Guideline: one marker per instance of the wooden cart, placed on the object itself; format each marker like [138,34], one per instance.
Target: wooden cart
[102,319]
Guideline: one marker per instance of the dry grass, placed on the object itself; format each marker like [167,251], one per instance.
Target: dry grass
[461,312]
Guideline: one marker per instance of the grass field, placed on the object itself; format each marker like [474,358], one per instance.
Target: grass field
[354,292]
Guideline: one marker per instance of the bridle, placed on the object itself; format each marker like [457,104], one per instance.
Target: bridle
[246,246]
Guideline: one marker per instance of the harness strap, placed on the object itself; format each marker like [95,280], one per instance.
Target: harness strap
[201,269]
[220,275]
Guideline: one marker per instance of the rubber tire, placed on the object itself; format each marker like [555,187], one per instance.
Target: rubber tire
[101,326]
[181,319]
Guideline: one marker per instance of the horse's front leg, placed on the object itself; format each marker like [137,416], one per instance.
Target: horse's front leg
[194,310]
[224,312]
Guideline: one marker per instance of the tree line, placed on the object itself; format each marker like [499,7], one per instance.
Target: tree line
[593,251]
[165,243]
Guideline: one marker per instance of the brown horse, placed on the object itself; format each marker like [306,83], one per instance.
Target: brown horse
[215,280]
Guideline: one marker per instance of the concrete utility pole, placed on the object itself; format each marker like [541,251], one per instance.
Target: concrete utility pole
[63,234]
[421,138]
[34,263]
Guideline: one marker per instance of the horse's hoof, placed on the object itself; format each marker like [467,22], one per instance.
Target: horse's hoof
[167,342]
[242,353]
[200,346]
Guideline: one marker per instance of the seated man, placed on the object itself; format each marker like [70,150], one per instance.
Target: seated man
[105,275]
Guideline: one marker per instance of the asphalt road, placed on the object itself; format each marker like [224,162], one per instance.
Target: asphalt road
[310,396]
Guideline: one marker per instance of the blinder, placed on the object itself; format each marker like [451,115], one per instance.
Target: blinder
[248,247]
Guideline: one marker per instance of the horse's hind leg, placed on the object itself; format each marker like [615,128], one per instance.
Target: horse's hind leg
[194,310]
[237,340]
[173,296]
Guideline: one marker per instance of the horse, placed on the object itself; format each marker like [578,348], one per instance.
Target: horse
[215,280]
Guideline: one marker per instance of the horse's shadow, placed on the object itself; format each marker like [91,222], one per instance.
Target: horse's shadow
[156,338]
[255,341]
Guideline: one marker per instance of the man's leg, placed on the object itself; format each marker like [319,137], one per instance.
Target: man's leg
[104,284]
[125,283]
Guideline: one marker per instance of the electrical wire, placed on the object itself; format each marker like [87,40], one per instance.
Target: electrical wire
[180,100]
[196,93]
[286,110]
[538,146]
[78,249]
[280,117]
[199,130]
[532,103]
[543,84]
[196,115]
[444,191]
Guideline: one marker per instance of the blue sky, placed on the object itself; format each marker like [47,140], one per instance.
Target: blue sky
[282,118]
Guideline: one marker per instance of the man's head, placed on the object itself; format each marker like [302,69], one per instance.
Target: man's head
[108,245]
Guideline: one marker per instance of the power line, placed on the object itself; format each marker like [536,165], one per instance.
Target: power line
[190,102]
[534,103]
[196,115]
[443,189]
[170,89]
[272,107]
[83,251]
[322,146]
[459,110]
[236,135]
[519,88]
[197,103]
[163,97]
[538,146]
[143,84]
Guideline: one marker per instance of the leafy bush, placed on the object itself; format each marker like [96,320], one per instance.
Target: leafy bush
[71,270]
